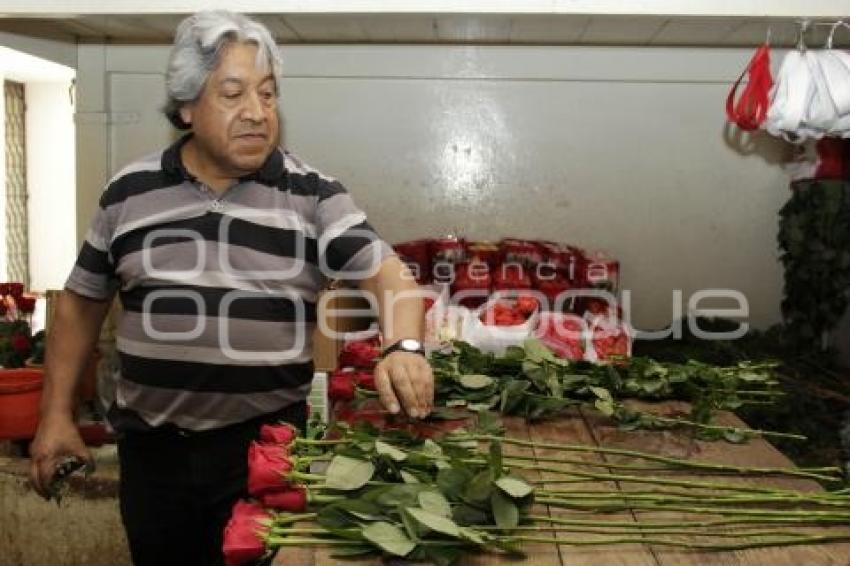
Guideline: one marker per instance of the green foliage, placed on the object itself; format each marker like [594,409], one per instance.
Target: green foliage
[814,236]
[531,382]
[346,473]
[435,520]
[15,343]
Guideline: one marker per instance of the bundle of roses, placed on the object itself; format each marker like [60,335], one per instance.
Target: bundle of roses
[394,494]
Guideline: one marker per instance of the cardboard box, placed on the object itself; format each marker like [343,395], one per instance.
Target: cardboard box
[339,311]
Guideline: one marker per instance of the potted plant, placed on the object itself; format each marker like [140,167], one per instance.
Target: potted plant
[20,387]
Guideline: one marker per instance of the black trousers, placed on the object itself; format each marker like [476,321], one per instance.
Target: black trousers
[178,488]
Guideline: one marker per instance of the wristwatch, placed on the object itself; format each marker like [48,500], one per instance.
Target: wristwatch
[406,345]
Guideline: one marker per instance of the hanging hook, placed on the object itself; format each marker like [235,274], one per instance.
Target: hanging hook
[832,33]
[801,39]
[832,29]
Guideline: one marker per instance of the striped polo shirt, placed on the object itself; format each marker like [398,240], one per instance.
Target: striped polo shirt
[218,292]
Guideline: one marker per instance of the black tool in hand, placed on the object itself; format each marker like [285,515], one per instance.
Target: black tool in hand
[63,471]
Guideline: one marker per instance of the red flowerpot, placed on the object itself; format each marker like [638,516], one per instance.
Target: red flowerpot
[20,395]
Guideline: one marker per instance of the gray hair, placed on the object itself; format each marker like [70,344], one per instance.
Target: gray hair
[198,45]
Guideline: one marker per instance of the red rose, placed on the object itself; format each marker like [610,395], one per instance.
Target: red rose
[20,343]
[282,433]
[360,354]
[365,379]
[502,313]
[611,342]
[268,466]
[526,304]
[16,290]
[341,387]
[293,499]
[563,334]
[26,304]
[244,533]
[5,289]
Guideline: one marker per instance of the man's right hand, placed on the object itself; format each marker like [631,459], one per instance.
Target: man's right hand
[56,439]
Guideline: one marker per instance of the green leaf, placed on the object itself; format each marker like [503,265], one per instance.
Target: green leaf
[386,449]
[468,515]
[495,459]
[410,525]
[389,538]
[734,436]
[601,393]
[332,517]
[489,423]
[505,511]
[346,473]
[604,407]
[536,351]
[513,394]
[360,508]
[515,487]
[407,477]
[472,535]
[652,386]
[400,494]
[434,502]
[453,481]
[351,551]
[515,353]
[441,555]
[436,523]
[480,487]
[572,382]
[476,381]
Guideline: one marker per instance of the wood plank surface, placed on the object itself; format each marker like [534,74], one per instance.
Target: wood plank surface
[572,429]
[536,554]
[756,452]
[589,428]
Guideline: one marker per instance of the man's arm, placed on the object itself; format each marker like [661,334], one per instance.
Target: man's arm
[73,335]
[403,379]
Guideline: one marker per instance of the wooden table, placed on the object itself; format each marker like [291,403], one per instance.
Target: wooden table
[593,429]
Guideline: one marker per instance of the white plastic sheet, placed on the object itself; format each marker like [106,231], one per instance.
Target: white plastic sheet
[811,96]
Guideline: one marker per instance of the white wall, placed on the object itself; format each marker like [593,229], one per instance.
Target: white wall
[61,49]
[50,161]
[621,149]
[3,258]
[51,183]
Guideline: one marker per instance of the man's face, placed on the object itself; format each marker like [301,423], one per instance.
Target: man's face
[235,119]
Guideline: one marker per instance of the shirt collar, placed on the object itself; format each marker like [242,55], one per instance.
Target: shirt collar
[269,173]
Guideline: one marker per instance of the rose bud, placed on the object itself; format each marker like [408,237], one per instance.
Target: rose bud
[365,379]
[359,355]
[282,433]
[341,387]
[293,499]
[268,467]
[244,533]
[16,290]
[26,304]
[20,343]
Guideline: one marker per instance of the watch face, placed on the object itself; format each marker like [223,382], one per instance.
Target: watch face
[410,344]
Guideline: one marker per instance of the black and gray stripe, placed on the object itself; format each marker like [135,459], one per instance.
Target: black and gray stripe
[219,296]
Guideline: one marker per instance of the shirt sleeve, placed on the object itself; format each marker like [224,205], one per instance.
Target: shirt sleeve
[349,248]
[93,274]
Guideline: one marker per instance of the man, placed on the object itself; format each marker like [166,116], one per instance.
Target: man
[219,245]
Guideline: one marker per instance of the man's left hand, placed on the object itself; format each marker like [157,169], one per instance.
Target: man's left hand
[404,380]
